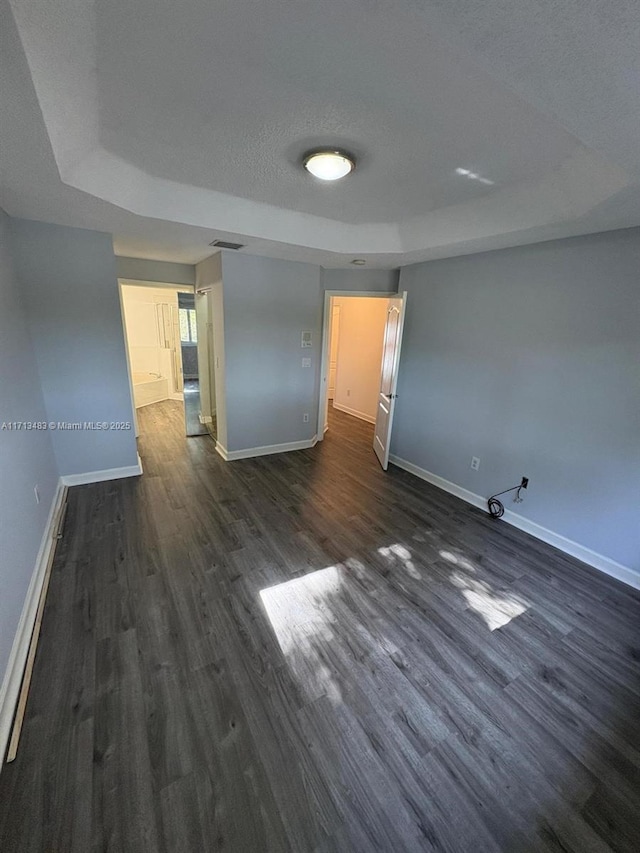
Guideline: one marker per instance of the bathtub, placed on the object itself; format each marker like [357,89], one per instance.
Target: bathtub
[149,388]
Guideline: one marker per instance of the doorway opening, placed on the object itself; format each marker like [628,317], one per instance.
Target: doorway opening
[161,337]
[362,335]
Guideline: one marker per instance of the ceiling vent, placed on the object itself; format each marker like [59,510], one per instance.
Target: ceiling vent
[224,244]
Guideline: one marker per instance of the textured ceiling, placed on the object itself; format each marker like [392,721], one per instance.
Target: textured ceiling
[238,120]
[181,122]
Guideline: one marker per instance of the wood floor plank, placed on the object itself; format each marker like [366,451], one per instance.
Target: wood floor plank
[304,653]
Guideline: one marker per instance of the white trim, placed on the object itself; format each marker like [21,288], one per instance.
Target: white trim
[152,402]
[205,419]
[354,412]
[170,285]
[267,450]
[128,354]
[568,546]
[12,682]
[102,476]
[440,482]
[324,350]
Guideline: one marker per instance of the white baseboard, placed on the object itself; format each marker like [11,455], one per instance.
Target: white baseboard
[568,546]
[12,682]
[205,419]
[102,476]
[354,412]
[150,402]
[266,450]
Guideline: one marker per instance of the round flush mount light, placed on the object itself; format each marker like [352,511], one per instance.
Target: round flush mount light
[328,164]
[359,262]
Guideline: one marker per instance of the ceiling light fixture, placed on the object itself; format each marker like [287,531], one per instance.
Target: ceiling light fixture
[328,164]
[359,262]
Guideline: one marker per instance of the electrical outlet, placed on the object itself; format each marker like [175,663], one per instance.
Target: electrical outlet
[305,418]
[36,491]
[524,483]
[306,362]
[475,462]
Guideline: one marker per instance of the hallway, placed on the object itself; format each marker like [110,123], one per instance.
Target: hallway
[303,653]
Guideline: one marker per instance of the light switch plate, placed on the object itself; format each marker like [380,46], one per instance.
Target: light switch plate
[307,339]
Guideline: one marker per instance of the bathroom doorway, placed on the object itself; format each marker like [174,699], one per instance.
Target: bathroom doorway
[152,325]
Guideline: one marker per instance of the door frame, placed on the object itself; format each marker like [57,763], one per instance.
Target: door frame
[134,282]
[324,349]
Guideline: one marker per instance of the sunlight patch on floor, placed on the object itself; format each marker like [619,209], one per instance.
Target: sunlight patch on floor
[357,567]
[401,556]
[458,560]
[497,608]
[301,615]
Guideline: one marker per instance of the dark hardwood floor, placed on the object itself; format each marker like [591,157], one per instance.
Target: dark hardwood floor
[303,653]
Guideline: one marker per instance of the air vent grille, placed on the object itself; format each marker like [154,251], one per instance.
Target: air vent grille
[224,244]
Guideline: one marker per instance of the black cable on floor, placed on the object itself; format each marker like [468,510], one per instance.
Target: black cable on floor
[496,507]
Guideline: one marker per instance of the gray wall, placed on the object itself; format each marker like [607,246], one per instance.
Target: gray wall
[267,305]
[26,458]
[530,359]
[70,286]
[382,281]
[140,269]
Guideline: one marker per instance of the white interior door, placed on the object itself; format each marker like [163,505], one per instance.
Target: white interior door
[389,379]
